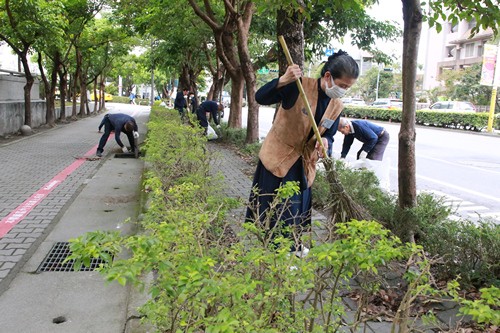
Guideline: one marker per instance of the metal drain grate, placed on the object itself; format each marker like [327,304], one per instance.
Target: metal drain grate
[54,261]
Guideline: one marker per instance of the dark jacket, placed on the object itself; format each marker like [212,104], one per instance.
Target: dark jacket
[118,121]
[365,132]
[180,101]
[209,106]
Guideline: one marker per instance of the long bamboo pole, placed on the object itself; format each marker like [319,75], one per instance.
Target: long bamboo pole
[304,97]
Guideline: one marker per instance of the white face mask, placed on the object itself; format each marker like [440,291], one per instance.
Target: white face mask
[334,91]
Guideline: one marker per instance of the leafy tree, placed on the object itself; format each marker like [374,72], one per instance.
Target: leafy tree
[464,85]
[366,86]
[231,31]
[23,25]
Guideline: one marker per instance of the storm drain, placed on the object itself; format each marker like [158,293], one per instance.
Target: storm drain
[54,261]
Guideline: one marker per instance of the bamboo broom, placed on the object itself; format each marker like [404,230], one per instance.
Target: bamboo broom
[343,207]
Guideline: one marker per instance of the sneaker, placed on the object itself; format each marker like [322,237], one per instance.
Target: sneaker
[302,252]
[99,154]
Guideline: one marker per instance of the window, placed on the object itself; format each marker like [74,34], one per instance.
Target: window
[479,50]
[450,51]
[469,50]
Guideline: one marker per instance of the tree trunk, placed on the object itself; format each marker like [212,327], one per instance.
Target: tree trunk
[412,15]
[248,73]
[102,104]
[50,90]
[27,89]
[96,101]
[225,48]
[74,93]
[63,88]
[292,29]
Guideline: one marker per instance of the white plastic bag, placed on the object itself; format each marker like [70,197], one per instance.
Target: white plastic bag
[379,168]
[211,135]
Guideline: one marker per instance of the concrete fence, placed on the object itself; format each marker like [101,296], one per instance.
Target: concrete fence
[12,103]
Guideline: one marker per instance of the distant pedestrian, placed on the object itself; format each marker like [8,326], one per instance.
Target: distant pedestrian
[118,122]
[180,103]
[193,102]
[211,107]
[375,138]
[131,97]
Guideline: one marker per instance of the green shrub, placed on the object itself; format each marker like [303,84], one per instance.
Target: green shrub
[467,249]
[458,120]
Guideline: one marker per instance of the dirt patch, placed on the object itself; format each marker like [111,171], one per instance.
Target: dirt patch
[120,199]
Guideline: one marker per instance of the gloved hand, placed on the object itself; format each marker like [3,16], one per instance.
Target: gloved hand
[362,155]
[124,149]
[218,126]
[136,134]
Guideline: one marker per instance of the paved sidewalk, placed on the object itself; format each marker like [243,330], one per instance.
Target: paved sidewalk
[96,195]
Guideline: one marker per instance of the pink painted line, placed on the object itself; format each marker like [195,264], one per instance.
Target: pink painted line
[18,214]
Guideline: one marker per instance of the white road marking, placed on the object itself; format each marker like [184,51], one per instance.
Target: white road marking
[463,189]
[459,164]
[473,208]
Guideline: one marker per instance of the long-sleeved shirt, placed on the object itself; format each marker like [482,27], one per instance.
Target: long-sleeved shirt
[118,121]
[365,132]
[180,102]
[213,108]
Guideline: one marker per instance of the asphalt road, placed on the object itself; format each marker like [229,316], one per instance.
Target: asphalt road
[462,167]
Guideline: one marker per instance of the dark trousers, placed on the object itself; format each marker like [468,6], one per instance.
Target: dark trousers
[296,214]
[202,118]
[108,128]
[377,153]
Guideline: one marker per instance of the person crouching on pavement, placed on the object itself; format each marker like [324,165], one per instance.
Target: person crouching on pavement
[211,107]
[118,122]
[374,138]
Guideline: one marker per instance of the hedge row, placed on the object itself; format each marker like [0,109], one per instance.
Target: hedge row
[459,120]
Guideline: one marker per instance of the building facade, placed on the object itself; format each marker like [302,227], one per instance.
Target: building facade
[452,49]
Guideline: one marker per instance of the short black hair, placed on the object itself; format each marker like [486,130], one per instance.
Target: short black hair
[129,126]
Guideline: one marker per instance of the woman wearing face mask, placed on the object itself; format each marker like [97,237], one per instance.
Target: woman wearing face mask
[290,150]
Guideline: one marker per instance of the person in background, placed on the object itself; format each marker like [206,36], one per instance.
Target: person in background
[290,150]
[211,107]
[375,138]
[118,122]
[131,97]
[180,103]
[193,102]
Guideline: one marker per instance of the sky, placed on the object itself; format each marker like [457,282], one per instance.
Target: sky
[392,10]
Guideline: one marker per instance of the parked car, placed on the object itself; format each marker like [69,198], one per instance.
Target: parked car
[107,97]
[453,106]
[387,103]
[353,101]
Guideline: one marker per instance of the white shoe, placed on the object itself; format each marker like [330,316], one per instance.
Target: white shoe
[302,252]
